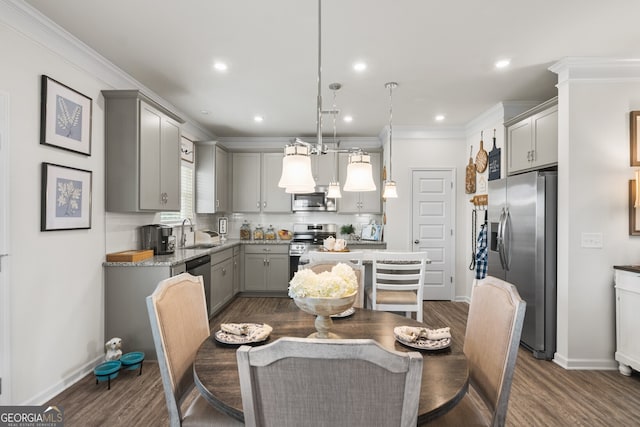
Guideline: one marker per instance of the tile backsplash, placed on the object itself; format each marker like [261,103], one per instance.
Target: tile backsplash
[123,228]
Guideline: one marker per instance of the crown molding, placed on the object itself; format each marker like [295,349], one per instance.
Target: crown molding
[588,69]
[277,143]
[29,22]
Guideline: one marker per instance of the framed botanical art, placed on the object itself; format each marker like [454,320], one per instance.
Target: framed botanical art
[65,117]
[66,198]
[634,122]
[634,213]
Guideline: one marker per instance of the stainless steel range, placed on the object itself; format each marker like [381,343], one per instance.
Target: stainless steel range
[306,236]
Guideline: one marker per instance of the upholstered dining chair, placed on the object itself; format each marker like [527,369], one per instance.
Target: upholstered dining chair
[179,324]
[397,282]
[354,257]
[320,266]
[496,314]
[296,382]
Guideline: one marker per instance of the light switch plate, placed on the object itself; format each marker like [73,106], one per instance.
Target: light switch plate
[592,240]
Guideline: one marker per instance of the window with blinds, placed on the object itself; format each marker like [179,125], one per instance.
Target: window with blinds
[186,197]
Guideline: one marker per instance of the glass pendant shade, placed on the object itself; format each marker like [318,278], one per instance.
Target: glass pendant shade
[390,191]
[359,173]
[334,190]
[296,170]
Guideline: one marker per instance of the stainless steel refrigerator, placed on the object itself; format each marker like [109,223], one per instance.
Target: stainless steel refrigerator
[522,250]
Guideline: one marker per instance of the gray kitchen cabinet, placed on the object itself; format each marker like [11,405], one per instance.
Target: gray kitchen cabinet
[142,144]
[237,258]
[212,179]
[125,290]
[222,279]
[532,138]
[365,201]
[266,268]
[324,168]
[255,183]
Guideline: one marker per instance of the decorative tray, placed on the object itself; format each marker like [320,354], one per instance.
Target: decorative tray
[252,336]
[346,313]
[322,249]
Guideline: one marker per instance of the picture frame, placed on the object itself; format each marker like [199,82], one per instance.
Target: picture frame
[66,198]
[186,150]
[634,214]
[634,124]
[65,117]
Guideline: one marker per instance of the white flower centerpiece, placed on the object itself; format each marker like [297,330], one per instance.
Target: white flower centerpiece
[324,294]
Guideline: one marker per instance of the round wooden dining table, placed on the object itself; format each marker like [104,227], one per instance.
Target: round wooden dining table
[445,373]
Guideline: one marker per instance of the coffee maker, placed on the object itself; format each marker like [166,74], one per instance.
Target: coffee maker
[159,238]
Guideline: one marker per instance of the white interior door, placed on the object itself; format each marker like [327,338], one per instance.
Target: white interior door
[5,397]
[432,229]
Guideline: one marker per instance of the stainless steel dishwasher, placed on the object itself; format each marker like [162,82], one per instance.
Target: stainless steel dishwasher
[201,266]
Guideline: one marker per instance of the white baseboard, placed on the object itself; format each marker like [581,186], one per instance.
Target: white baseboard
[585,364]
[62,385]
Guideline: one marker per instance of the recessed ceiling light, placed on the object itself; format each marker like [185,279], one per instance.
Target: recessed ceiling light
[348,119]
[503,63]
[439,118]
[220,66]
[258,119]
[205,112]
[359,66]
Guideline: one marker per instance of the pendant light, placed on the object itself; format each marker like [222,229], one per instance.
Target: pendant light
[359,173]
[296,170]
[390,189]
[334,186]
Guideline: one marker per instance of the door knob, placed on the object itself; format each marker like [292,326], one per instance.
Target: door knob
[416,241]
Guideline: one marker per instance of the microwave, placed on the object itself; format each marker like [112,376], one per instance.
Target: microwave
[313,202]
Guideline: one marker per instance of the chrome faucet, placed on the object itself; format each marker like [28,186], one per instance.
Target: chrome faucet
[183,238]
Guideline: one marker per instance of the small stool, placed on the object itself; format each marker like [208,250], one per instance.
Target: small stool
[107,371]
[132,361]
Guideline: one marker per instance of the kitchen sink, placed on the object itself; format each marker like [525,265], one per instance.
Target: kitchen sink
[201,246]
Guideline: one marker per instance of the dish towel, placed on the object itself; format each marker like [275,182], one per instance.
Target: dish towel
[482,253]
[413,333]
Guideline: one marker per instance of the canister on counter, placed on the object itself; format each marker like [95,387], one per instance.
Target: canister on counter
[245,231]
[270,234]
[258,233]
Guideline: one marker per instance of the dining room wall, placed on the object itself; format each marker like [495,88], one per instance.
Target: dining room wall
[595,97]
[55,282]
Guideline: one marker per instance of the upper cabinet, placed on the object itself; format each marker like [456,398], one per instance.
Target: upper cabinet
[324,168]
[255,183]
[212,179]
[532,138]
[360,202]
[142,144]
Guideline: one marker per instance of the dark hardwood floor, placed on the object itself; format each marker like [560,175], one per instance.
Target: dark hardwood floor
[543,394]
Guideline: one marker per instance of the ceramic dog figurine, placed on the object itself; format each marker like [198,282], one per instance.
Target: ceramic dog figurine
[113,347]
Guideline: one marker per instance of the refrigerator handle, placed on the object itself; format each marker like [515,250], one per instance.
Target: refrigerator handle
[506,250]
[500,238]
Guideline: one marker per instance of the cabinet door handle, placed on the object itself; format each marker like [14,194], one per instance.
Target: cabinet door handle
[258,205]
[264,261]
[533,155]
[416,241]
[224,271]
[217,203]
[268,262]
[264,204]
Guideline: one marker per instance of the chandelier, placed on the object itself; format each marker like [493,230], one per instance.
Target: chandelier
[297,176]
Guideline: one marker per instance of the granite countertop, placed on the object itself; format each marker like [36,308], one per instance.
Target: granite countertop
[183,255]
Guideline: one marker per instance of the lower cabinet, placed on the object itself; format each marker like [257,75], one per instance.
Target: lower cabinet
[222,278]
[627,320]
[125,291]
[266,268]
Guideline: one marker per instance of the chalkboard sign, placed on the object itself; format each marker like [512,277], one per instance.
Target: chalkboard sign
[494,160]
